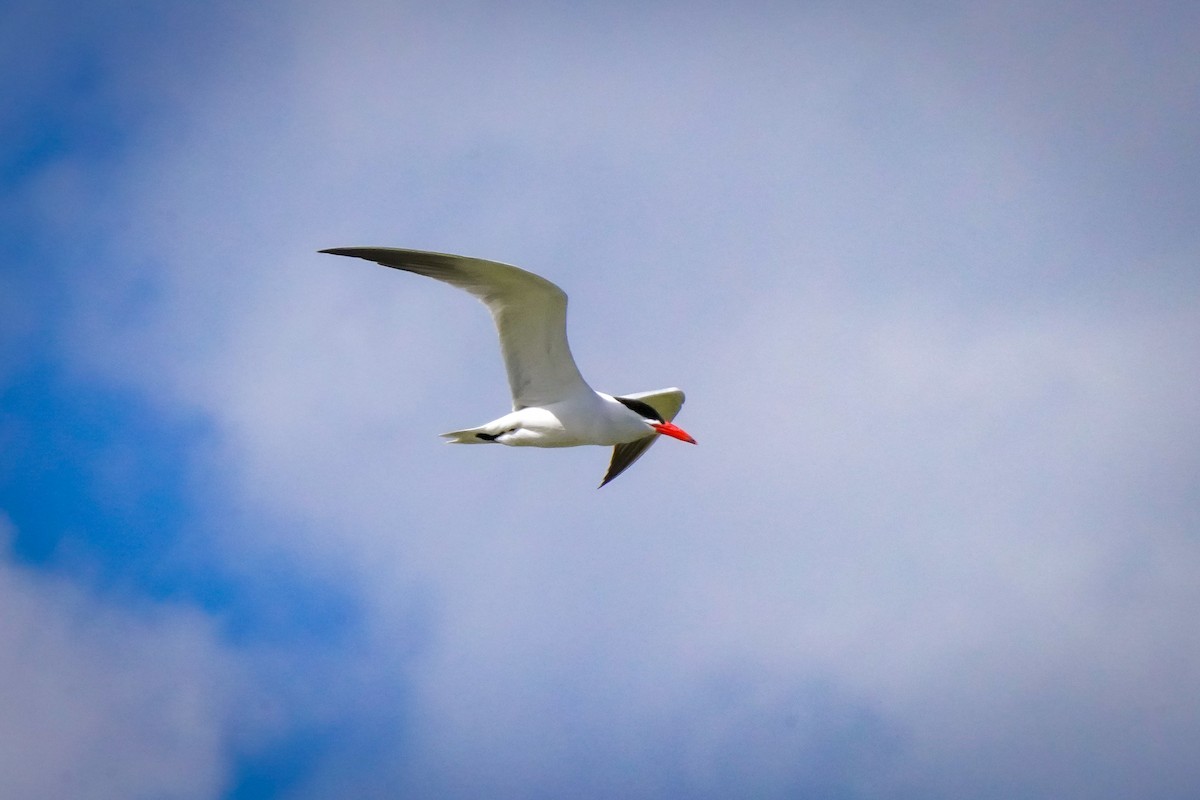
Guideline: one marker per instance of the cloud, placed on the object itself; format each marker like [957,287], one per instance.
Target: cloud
[937,537]
[102,700]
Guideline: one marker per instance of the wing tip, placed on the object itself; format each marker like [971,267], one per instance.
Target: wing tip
[612,472]
[624,455]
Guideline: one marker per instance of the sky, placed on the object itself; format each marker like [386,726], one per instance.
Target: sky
[929,274]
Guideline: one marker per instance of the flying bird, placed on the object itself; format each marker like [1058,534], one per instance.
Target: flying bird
[553,406]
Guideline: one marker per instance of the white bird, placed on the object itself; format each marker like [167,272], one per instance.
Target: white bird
[552,404]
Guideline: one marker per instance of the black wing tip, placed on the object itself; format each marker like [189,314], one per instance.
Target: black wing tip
[384,256]
[624,455]
[406,251]
[399,257]
[612,473]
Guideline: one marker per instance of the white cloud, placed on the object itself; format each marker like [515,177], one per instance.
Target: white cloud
[101,701]
[938,471]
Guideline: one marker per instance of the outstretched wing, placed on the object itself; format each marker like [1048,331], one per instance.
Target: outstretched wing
[530,314]
[667,403]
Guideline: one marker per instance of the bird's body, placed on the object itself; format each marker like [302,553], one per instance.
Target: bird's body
[552,404]
[582,419]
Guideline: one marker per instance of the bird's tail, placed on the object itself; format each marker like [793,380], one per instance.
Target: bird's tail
[469,436]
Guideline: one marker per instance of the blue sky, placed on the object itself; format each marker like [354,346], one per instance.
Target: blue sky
[929,277]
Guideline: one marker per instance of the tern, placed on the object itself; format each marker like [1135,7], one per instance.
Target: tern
[553,406]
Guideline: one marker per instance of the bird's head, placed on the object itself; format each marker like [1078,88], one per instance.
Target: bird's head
[655,420]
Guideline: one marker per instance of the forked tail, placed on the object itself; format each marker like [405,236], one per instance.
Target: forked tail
[469,436]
